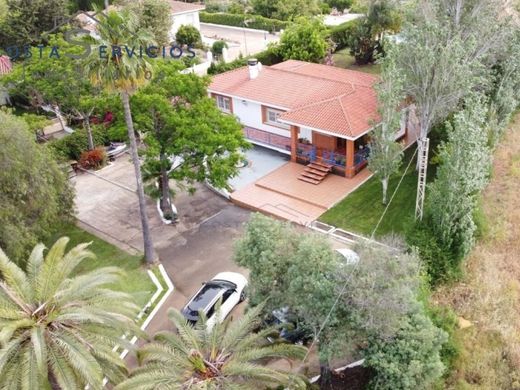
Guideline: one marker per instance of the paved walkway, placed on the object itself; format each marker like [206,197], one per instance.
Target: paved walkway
[282,195]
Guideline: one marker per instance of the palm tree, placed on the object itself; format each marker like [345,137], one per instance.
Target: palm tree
[227,357]
[123,72]
[58,330]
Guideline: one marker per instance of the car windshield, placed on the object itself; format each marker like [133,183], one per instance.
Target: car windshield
[211,291]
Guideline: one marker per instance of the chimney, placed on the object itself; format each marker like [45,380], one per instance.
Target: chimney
[254,68]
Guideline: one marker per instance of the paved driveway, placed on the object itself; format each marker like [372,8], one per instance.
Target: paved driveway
[192,251]
[245,41]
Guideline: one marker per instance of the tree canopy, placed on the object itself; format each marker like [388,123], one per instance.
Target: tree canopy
[344,304]
[35,196]
[225,357]
[179,120]
[305,40]
[29,19]
[60,329]
[286,9]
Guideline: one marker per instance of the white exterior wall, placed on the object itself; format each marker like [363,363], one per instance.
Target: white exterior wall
[188,18]
[250,114]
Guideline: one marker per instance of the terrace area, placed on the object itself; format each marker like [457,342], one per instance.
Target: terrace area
[281,195]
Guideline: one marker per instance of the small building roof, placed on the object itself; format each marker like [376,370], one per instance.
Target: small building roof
[180,7]
[334,100]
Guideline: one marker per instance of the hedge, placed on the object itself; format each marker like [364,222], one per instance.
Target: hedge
[341,33]
[256,22]
[266,57]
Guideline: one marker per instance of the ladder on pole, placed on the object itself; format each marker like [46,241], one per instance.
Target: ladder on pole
[424,146]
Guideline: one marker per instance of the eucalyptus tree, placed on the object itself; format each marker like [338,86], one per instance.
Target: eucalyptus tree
[385,153]
[59,328]
[227,357]
[124,71]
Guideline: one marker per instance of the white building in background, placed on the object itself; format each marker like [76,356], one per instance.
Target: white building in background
[182,14]
[185,14]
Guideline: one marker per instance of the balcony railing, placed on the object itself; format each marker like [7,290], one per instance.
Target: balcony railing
[309,152]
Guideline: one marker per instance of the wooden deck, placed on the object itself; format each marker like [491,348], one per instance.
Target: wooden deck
[282,195]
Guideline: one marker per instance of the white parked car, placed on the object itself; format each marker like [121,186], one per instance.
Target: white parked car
[229,287]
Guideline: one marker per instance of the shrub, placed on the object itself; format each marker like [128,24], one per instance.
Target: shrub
[305,40]
[218,47]
[71,146]
[188,35]
[266,57]
[117,132]
[444,318]
[93,159]
[35,196]
[361,41]
[256,22]
[439,262]
[341,34]
[36,122]
[411,360]
[340,5]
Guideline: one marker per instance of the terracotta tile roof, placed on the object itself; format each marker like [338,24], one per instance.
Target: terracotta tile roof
[326,98]
[179,7]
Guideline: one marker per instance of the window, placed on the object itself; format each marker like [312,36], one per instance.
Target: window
[224,103]
[226,295]
[271,117]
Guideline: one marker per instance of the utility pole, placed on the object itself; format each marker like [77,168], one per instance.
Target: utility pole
[424,146]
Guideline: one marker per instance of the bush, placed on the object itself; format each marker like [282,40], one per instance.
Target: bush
[93,159]
[305,40]
[72,146]
[439,262]
[256,22]
[188,35]
[218,47]
[411,360]
[362,44]
[341,34]
[444,318]
[340,5]
[117,132]
[266,57]
[35,195]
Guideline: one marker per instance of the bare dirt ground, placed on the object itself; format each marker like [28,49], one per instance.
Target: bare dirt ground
[489,295]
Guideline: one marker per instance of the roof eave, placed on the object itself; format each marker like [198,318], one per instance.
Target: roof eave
[327,132]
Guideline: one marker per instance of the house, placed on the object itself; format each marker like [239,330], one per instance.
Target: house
[314,113]
[185,14]
[182,14]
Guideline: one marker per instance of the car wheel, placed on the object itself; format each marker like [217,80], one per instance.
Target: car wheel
[243,296]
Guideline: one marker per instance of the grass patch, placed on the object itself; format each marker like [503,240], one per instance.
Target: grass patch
[136,281]
[360,211]
[343,59]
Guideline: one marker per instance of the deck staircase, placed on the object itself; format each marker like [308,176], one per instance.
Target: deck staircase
[315,172]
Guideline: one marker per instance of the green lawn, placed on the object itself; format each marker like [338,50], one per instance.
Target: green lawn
[343,59]
[360,211]
[136,281]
